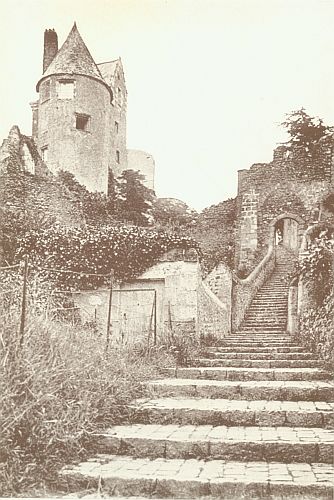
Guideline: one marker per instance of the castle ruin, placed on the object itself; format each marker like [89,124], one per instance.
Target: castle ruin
[79,120]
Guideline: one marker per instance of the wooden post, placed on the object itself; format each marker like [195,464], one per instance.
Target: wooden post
[109,308]
[155,319]
[24,301]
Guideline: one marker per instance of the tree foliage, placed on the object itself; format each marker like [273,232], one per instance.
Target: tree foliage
[316,267]
[134,199]
[304,130]
[328,203]
[128,200]
[174,214]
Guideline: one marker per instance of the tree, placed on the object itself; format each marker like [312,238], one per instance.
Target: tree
[134,199]
[328,203]
[97,208]
[173,213]
[304,130]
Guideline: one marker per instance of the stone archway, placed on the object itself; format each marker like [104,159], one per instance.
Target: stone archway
[287,230]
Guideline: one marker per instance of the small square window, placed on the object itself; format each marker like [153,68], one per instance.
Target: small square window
[118,157]
[116,127]
[44,151]
[65,89]
[82,122]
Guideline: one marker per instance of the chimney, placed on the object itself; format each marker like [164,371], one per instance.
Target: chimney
[50,48]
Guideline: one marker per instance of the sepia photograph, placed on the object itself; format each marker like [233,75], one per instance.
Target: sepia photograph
[167,249]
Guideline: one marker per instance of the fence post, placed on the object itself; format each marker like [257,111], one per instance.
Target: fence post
[155,319]
[24,301]
[109,309]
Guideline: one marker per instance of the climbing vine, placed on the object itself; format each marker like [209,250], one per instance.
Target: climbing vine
[84,251]
[316,330]
[316,267]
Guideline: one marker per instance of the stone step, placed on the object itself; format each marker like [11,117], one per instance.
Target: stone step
[260,334]
[259,308]
[241,348]
[265,320]
[229,389]
[266,311]
[265,314]
[258,355]
[271,301]
[259,363]
[284,444]
[269,321]
[265,329]
[270,297]
[192,478]
[273,289]
[230,373]
[234,412]
[274,285]
[270,305]
[249,343]
[259,337]
[259,329]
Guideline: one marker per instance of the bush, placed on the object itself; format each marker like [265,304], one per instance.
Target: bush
[55,392]
[317,331]
[316,267]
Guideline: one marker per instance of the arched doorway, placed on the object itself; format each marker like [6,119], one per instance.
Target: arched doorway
[287,231]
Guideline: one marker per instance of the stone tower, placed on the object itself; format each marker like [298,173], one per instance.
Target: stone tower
[79,120]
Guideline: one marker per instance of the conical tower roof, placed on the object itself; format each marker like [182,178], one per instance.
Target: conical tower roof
[73,58]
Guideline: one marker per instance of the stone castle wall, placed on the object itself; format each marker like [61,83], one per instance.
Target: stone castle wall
[295,182]
[88,154]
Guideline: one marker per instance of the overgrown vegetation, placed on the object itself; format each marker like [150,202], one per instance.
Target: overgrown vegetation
[316,269]
[215,231]
[316,331]
[128,199]
[304,131]
[128,250]
[56,391]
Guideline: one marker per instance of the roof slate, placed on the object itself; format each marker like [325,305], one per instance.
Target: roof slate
[74,58]
[107,70]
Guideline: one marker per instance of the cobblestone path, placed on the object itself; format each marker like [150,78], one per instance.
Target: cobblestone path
[253,418]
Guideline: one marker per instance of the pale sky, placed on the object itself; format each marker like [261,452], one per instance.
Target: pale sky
[208,80]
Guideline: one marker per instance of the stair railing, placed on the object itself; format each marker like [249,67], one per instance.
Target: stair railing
[244,290]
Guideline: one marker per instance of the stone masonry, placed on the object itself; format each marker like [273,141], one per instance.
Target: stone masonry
[252,418]
[79,120]
[293,185]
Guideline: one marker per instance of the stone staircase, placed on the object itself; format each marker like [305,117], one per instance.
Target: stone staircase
[253,418]
[268,310]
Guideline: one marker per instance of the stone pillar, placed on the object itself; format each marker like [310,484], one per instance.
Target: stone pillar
[292,326]
[248,227]
[34,108]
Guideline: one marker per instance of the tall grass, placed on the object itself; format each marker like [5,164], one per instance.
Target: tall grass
[55,392]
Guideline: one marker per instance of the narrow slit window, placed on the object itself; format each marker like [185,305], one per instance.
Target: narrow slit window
[116,127]
[118,157]
[120,96]
[45,154]
[82,122]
